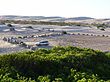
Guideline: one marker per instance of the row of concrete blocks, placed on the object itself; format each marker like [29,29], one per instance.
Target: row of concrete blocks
[41,35]
[89,34]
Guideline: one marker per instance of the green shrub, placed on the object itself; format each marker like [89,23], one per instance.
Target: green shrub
[9,25]
[64,32]
[59,64]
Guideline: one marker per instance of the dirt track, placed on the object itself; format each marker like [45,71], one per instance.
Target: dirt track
[88,41]
[94,42]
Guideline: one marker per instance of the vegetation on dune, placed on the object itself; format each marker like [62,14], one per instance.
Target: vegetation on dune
[101,26]
[64,32]
[9,25]
[30,27]
[43,22]
[59,64]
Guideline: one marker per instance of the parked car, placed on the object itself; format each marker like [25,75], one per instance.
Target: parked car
[42,43]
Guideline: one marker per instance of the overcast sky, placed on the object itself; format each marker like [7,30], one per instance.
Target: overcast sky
[64,8]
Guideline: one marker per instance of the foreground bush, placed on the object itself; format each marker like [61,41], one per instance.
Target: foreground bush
[59,64]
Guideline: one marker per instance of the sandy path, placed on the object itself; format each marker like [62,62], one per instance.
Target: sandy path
[94,42]
[4,44]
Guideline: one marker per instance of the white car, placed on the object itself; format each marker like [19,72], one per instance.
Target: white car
[42,43]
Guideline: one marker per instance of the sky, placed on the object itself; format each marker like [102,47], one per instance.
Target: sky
[63,8]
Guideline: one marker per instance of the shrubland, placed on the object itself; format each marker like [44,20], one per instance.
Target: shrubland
[42,22]
[59,64]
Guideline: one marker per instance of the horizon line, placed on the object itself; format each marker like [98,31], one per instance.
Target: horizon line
[58,16]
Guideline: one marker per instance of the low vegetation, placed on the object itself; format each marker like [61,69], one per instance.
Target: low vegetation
[43,22]
[101,26]
[59,64]
[30,27]
[9,25]
[64,32]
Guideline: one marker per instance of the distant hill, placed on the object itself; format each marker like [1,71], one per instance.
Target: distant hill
[14,17]
[56,19]
[80,18]
[63,19]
